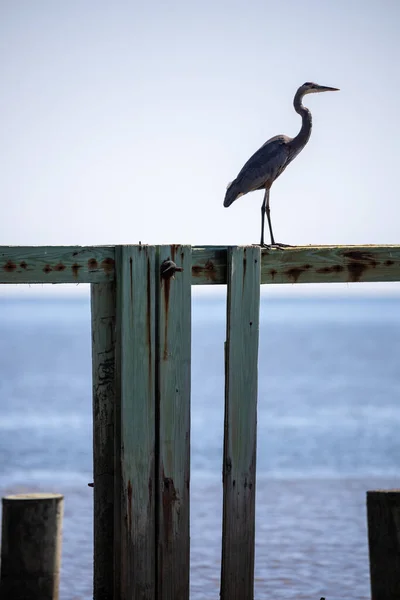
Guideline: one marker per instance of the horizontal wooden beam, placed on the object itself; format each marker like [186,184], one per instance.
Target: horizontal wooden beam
[300,264]
[57,264]
[306,264]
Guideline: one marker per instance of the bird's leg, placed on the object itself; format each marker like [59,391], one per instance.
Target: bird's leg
[268,211]
[263,207]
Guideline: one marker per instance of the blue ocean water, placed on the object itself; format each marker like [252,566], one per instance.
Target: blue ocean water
[328,420]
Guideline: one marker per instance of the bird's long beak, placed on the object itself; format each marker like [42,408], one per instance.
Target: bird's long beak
[324,88]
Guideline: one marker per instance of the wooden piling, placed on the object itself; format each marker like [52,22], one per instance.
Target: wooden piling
[103,377]
[31,546]
[383,513]
[239,461]
[173,398]
[135,388]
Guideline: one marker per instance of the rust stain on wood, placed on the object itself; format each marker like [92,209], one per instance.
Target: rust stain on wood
[197,270]
[23,265]
[166,284]
[332,269]
[359,263]
[59,267]
[92,264]
[174,248]
[211,272]
[9,267]
[273,272]
[389,263]
[47,269]
[108,265]
[358,255]
[294,273]
[356,270]
[75,269]
[208,270]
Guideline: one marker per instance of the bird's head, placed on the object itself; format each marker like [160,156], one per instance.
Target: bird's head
[313,88]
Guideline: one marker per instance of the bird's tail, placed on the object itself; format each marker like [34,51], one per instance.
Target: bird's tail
[232,193]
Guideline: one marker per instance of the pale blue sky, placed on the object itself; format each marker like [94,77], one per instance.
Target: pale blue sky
[124,121]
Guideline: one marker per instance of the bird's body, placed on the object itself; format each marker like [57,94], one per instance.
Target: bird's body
[261,170]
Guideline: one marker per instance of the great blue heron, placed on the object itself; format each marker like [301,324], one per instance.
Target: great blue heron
[273,157]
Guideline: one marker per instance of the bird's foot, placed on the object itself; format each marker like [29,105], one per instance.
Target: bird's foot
[276,245]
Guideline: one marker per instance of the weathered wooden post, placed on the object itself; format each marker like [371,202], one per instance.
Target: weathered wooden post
[383,512]
[152,423]
[239,462]
[135,423]
[173,425]
[103,373]
[31,546]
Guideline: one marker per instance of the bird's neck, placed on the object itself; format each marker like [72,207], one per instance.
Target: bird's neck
[303,136]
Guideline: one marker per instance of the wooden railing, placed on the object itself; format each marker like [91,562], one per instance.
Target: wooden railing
[308,264]
[141,331]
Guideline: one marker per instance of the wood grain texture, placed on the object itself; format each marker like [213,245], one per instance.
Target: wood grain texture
[174,344]
[136,281]
[240,430]
[303,264]
[103,378]
[56,264]
[383,512]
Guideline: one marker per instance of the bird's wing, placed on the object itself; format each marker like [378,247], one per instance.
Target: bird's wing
[265,165]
